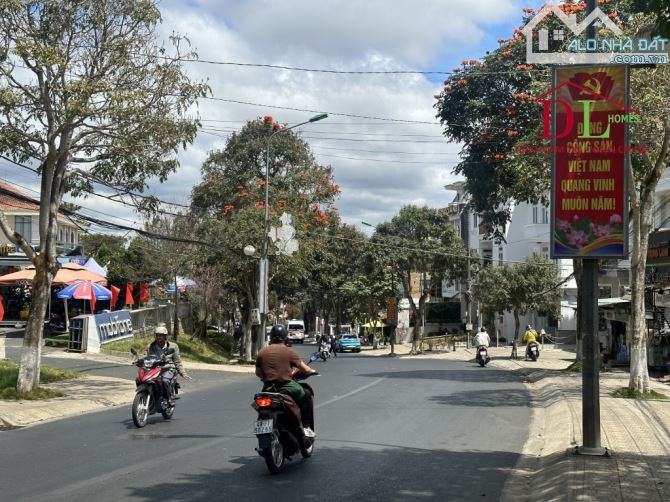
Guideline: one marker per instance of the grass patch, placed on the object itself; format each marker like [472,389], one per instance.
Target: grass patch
[9,373]
[627,393]
[209,351]
[575,367]
[61,341]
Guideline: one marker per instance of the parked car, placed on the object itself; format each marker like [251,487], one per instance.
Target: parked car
[218,329]
[348,341]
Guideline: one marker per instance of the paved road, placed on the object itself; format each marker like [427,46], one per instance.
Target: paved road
[388,429]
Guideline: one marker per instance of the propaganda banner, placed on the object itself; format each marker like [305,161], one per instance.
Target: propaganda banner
[589,117]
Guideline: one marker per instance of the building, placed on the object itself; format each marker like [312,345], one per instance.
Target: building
[525,235]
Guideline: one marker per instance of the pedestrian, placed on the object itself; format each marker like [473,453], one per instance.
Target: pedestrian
[333,345]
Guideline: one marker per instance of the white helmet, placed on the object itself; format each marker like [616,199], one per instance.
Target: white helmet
[160,330]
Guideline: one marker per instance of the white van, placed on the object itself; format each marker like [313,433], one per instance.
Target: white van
[296,331]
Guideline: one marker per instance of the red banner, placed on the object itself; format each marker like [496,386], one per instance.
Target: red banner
[129,294]
[144,292]
[589,203]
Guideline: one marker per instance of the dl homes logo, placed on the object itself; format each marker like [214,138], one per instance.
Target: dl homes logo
[585,89]
[542,43]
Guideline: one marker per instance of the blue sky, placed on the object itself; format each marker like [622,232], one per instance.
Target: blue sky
[380,165]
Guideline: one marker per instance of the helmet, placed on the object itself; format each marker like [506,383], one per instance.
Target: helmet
[529,327]
[482,329]
[278,334]
[160,330]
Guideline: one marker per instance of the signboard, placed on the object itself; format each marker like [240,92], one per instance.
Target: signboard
[590,116]
[113,325]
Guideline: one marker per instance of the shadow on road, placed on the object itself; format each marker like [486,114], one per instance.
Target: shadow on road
[335,474]
[460,375]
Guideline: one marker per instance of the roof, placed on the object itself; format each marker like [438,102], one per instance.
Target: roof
[9,203]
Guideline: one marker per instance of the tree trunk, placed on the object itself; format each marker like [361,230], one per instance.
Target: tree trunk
[418,327]
[31,352]
[639,373]
[516,335]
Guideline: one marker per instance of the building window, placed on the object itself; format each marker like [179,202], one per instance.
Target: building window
[23,226]
[71,236]
[60,235]
[500,256]
[545,215]
[475,221]
[535,219]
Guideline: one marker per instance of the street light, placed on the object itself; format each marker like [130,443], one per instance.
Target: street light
[263,266]
[249,250]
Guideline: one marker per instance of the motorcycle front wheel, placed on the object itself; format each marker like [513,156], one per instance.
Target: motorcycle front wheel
[141,409]
[274,454]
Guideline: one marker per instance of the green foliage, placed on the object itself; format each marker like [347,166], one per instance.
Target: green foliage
[628,393]
[9,373]
[531,286]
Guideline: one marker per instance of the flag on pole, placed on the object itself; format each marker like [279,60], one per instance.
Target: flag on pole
[129,294]
[115,295]
[144,292]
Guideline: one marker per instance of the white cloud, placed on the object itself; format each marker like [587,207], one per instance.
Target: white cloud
[336,34]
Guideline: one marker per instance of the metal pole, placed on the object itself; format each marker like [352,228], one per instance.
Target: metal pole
[589,328]
[264,268]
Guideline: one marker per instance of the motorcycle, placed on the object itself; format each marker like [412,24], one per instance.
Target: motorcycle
[150,395]
[324,351]
[482,356]
[533,351]
[279,427]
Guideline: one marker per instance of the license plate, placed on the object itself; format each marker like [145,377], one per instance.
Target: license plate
[263,427]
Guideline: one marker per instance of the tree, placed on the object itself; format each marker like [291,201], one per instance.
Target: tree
[420,239]
[531,286]
[89,94]
[483,102]
[230,204]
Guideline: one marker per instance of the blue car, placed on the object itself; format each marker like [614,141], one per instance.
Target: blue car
[348,342]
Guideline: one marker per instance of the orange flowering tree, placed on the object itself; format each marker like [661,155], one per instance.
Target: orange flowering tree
[230,200]
[487,105]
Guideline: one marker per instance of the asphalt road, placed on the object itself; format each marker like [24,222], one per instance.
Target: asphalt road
[388,429]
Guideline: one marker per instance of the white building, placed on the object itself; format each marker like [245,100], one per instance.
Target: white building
[525,235]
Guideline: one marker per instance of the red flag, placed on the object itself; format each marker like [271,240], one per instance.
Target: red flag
[2,309]
[129,294]
[92,300]
[115,295]
[144,292]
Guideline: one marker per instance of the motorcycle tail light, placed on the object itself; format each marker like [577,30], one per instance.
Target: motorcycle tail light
[263,402]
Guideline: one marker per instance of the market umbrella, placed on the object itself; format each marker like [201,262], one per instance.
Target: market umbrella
[67,274]
[86,290]
[183,283]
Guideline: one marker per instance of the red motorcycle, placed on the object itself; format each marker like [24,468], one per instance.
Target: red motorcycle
[150,395]
[279,427]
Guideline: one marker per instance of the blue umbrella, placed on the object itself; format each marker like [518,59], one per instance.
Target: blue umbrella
[182,283]
[82,290]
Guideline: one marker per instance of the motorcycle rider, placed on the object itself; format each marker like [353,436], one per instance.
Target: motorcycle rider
[481,339]
[274,365]
[529,336]
[159,348]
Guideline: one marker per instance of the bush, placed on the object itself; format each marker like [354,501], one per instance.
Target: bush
[627,393]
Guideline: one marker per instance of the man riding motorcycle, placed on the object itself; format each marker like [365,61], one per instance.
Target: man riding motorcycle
[159,348]
[481,339]
[274,366]
[529,336]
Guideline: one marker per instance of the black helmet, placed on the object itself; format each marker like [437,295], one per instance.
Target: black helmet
[278,334]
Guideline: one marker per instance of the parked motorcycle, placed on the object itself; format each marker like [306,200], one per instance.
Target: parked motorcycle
[482,355]
[533,351]
[150,395]
[279,427]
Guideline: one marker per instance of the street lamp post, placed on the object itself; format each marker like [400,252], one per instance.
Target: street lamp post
[264,266]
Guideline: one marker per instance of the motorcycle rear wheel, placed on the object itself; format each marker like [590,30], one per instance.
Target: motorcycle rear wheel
[274,454]
[141,409]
